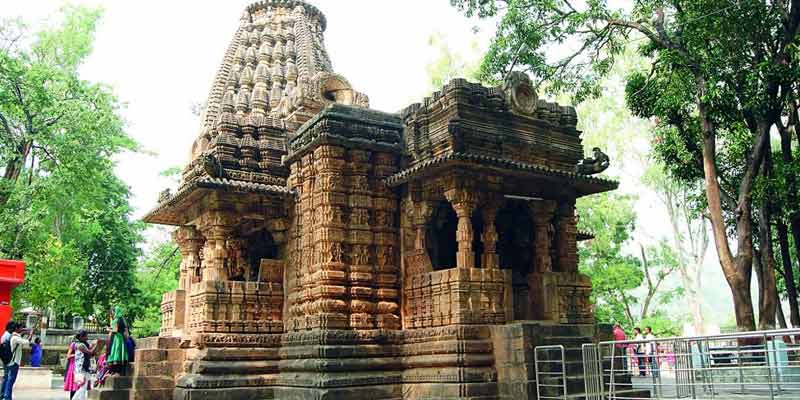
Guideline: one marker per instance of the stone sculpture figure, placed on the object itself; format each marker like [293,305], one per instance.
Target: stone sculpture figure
[520,93]
[596,164]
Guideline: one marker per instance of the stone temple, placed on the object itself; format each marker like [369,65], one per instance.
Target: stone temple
[331,251]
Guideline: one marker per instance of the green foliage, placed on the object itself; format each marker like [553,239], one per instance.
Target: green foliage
[663,325]
[610,217]
[156,274]
[625,289]
[450,64]
[62,208]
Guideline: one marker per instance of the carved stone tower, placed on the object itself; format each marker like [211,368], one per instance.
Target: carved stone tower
[330,251]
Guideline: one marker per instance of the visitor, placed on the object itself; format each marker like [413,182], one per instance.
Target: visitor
[622,348]
[102,370]
[6,337]
[117,352]
[130,347]
[16,342]
[651,349]
[638,349]
[83,363]
[69,373]
[36,353]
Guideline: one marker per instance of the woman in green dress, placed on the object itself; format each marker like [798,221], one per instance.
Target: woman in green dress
[117,353]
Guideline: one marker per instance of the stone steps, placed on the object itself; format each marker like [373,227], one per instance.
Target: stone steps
[157,361]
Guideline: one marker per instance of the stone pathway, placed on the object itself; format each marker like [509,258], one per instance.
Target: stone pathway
[40,394]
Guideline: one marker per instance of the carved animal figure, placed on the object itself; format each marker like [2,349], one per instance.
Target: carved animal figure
[593,165]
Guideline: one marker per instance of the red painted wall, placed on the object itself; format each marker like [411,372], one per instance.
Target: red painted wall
[12,273]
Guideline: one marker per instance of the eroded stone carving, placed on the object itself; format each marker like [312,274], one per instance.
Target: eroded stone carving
[520,93]
[596,164]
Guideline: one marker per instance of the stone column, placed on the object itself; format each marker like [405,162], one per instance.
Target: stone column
[421,260]
[326,282]
[566,237]
[463,202]
[189,243]
[489,237]
[387,269]
[542,213]
[360,237]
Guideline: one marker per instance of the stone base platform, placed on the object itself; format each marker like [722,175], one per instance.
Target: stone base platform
[452,362]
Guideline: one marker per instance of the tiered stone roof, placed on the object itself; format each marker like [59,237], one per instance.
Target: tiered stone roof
[275,75]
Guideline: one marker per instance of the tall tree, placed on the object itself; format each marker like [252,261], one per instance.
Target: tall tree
[689,235]
[62,208]
[615,273]
[716,79]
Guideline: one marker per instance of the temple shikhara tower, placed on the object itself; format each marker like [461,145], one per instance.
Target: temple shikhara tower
[331,251]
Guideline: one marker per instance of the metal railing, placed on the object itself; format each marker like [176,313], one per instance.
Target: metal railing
[748,365]
[551,373]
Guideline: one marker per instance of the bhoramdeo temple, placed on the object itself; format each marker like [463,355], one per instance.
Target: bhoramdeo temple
[332,251]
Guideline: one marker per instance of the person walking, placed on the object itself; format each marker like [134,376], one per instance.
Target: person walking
[16,341]
[621,348]
[651,348]
[83,362]
[36,353]
[638,349]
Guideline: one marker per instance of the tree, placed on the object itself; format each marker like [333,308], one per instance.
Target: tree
[449,64]
[156,274]
[689,235]
[717,101]
[616,275]
[62,208]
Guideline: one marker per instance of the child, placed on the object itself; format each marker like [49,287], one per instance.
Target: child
[36,353]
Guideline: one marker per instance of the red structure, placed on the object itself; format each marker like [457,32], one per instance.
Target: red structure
[12,273]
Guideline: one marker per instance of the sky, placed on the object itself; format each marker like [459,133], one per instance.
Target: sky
[160,58]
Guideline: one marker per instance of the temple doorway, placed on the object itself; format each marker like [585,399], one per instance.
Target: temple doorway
[515,251]
[260,245]
[440,238]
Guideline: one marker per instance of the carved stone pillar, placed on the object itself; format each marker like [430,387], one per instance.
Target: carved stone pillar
[361,270]
[489,237]
[463,202]
[189,243]
[421,260]
[566,237]
[386,241]
[217,228]
[542,214]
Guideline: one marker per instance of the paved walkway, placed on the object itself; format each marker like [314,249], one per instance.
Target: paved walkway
[40,394]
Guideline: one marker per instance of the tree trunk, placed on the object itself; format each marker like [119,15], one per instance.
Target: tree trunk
[14,168]
[737,270]
[779,314]
[794,218]
[788,274]
[688,264]
[768,291]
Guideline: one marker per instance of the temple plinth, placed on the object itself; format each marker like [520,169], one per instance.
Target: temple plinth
[331,251]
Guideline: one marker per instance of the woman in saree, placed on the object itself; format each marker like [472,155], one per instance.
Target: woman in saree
[69,374]
[117,353]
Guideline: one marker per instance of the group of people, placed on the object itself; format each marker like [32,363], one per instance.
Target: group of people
[645,353]
[114,360]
